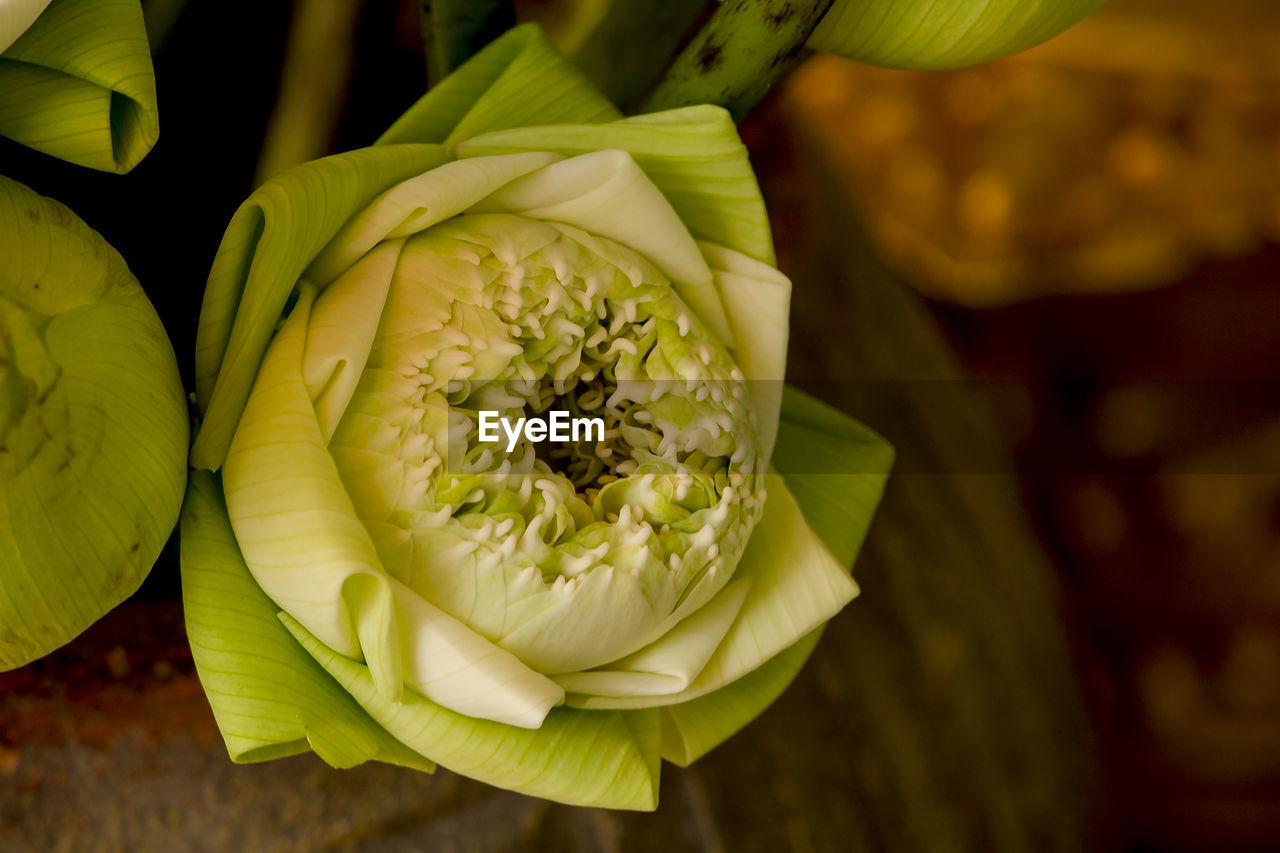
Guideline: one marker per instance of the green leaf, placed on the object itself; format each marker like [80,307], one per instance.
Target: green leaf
[516,81]
[839,506]
[79,85]
[930,34]
[93,427]
[269,697]
[591,758]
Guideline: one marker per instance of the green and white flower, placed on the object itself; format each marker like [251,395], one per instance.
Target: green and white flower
[363,578]
[93,428]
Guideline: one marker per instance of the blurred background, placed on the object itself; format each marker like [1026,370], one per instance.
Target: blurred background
[1069,636]
[1098,217]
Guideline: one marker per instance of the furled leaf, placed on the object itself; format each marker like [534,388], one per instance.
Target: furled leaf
[78,84]
[942,33]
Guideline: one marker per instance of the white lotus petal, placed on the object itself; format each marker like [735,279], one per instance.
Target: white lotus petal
[669,665]
[455,667]
[606,193]
[413,205]
[758,300]
[343,323]
[796,586]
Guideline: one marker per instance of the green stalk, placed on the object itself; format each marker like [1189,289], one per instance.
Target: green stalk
[738,55]
[634,43]
[454,30]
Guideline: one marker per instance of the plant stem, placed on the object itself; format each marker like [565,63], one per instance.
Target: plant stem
[453,30]
[634,43]
[739,53]
[314,81]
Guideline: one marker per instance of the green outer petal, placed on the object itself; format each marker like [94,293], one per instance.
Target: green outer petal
[93,427]
[942,33]
[589,758]
[269,697]
[692,729]
[839,507]
[694,155]
[79,85]
[814,438]
[517,80]
[272,238]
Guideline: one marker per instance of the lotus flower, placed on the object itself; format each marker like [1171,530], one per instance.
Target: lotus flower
[365,577]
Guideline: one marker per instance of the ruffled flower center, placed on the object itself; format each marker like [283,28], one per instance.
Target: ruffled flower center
[497,313]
